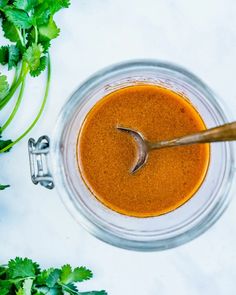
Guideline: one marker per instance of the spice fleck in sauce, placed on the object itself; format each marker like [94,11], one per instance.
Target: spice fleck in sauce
[106,155]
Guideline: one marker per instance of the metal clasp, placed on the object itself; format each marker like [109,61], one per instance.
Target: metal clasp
[38,158]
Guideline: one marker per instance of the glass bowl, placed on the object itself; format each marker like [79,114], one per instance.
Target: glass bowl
[153,233]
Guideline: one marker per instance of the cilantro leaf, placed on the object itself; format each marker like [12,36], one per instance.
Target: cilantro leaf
[3,3]
[13,56]
[10,55]
[21,268]
[2,269]
[3,55]
[24,277]
[5,287]
[21,4]
[79,274]
[26,5]
[5,291]
[53,278]
[10,31]
[41,13]
[4,86]
[42,66]
[65,273]
[18,17]
[5,143]
[46,45]
[32,56]
[37,268]
[49,31]
[72,287]
[3,186]
[42,277]
[56,5]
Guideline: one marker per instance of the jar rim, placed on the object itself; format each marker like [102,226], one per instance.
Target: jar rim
[61,182]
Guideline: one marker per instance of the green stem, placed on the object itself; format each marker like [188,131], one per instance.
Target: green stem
[15,76]
[11,117]
[39,113]
[20,36]
[7,98]
[36,34]
[24,37]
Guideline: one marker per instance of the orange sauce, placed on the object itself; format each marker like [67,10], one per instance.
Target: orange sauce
[105,155]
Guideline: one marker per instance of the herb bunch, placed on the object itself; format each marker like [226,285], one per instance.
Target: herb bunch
[24,277]
[29,26]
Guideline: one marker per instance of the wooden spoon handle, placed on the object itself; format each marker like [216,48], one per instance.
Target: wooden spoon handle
[225,132]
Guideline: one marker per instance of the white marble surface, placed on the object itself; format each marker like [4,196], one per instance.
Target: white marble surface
[200,35]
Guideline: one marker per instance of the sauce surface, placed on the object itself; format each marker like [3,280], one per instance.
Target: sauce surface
[105,155]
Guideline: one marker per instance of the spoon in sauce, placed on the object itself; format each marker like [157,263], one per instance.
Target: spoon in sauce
[226,132]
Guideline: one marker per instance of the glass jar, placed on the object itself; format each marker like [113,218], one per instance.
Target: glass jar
[145,234]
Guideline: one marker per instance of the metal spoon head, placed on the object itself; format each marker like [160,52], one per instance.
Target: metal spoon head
[142,147]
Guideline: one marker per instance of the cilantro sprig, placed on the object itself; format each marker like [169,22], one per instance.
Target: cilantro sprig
[29,26]
[24,277]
